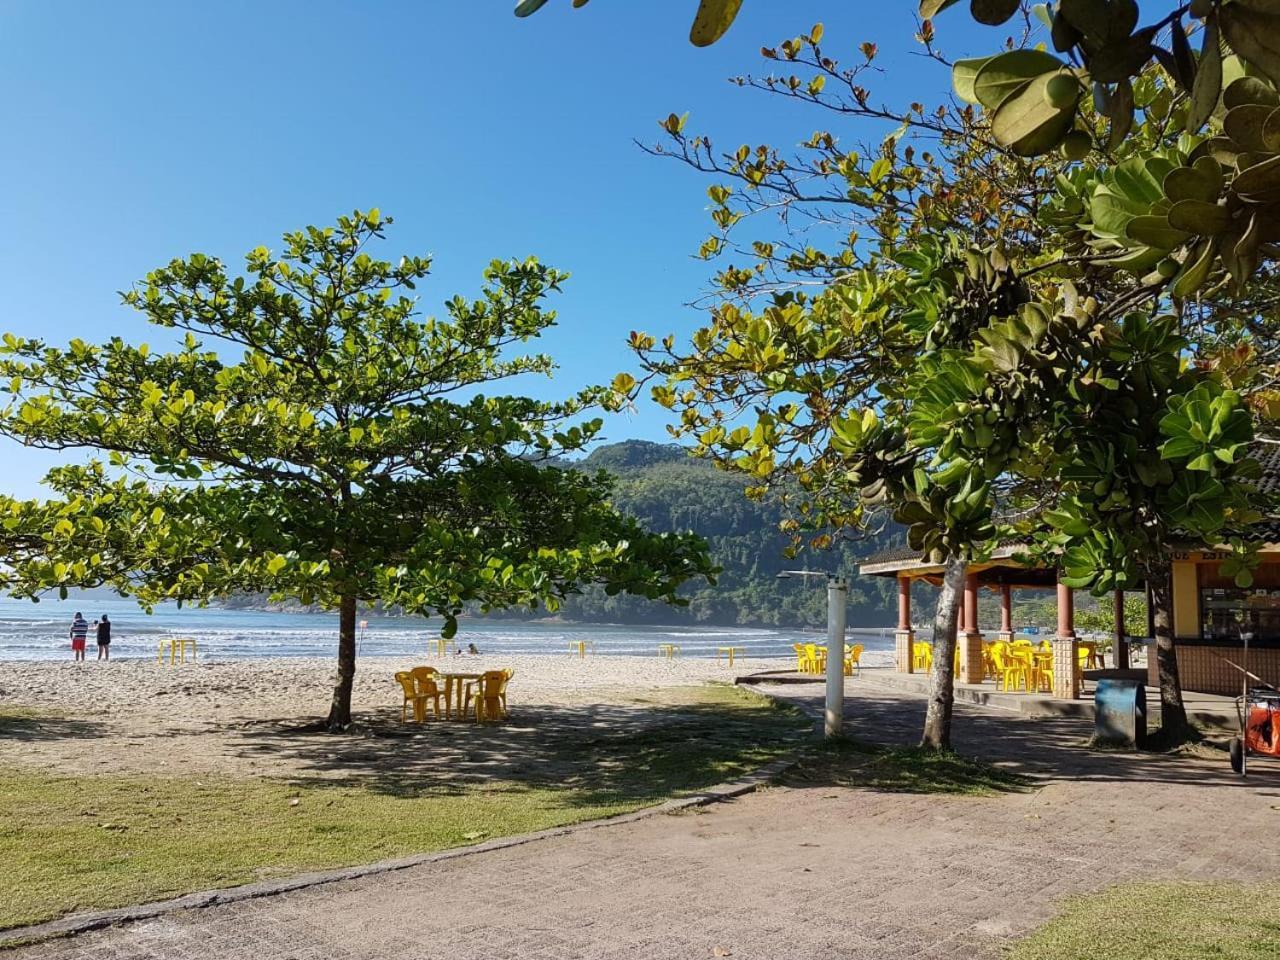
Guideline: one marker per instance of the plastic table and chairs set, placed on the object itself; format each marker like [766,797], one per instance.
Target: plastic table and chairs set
[812,658]
[1017,665]
[454,695]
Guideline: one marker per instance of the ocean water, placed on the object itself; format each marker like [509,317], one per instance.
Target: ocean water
[38,631]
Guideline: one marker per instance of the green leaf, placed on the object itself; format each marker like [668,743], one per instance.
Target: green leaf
[1198,217]
[1027,123]
[526,7]
[1208,82]
[1155,232]
[931,8]
[993,12]
[1195,270]
[1190,183]
[1004,74]
[1260,181]
[1245,125]
[1121,59]
[1094,18]
[1245,90]
[1253,35]
[711,21]
[964,74]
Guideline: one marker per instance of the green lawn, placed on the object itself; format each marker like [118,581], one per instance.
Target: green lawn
[1186,921]
[76,843]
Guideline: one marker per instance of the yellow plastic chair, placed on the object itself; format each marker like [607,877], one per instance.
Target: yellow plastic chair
[922,655]
[1042,670]
[502,694]
[490,695]
[1024,659]
[815,659]
[1013,672]
[988,664]
[176,647]
[801,664]
[411,696]
[424,681]
[853,659]
[1085,656]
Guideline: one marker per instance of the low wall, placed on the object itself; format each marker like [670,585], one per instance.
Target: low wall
[1202,667]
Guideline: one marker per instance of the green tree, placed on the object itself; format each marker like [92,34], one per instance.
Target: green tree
[888,372]
[896,367]
[314,438]
[1182,204]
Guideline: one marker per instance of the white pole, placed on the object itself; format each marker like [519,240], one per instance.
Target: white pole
[837,602]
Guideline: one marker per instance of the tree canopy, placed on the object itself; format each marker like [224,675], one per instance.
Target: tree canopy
[314,438]
[960,335]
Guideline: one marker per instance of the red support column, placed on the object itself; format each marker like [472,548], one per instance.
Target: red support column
[1066,663]
[971,668]
[970,624]
[1006,612]
[904,637]
[1066,613]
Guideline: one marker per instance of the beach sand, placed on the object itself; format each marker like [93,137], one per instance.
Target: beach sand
[257,717]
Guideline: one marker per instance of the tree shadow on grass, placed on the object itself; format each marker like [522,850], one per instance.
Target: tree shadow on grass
[596,754]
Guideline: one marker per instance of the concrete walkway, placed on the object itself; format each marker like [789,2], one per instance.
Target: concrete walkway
[805,871]
[1215,714]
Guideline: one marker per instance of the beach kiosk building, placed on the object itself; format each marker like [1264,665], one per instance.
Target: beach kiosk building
[1209,610]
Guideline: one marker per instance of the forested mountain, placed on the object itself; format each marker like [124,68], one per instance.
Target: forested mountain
[667,489]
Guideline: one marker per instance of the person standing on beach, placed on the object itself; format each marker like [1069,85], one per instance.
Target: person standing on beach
[104,638]
[79,631]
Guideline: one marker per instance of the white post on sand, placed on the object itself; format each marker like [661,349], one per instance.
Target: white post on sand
[837,610]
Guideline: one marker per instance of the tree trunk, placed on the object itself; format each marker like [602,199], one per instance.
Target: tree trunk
[1173,715]
[937,719]
[340,709]
[1121,638]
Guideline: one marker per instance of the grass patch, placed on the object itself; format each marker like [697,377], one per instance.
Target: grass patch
[848,763]
[1148,921]
[86,842]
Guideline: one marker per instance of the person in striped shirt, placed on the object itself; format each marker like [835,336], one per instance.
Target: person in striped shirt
[79,631]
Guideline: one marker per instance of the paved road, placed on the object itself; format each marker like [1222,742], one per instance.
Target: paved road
[809,872]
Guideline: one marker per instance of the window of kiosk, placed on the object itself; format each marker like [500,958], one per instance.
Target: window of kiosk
[1226,610]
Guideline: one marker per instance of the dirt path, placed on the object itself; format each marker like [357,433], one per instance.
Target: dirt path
[790,872]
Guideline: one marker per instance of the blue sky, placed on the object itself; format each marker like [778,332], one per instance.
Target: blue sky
[136,132]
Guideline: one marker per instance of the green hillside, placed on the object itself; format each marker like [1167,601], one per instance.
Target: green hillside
[661,485]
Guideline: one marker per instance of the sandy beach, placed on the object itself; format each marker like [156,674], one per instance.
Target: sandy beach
[246,717]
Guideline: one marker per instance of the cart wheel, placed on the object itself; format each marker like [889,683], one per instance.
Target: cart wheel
[1237,754]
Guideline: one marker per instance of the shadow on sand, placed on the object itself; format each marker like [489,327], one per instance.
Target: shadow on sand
[31,725]
[602,753]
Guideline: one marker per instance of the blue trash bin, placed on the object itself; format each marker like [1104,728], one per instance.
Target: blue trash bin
[1120,712]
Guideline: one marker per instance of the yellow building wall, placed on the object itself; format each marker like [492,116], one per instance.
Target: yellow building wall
[1186,599]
